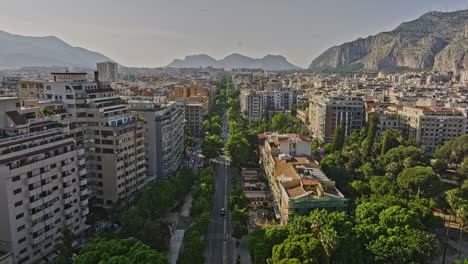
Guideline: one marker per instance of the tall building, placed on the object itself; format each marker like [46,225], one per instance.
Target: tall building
[194,114]
[251,104]
[42,182]
[326,113]
[432,126]
[264,104]
[164,136]
[111,135]
[108,71]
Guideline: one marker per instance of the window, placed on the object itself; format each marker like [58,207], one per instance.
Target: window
[18,203]
[23,251]
[21,240]
[17,191]
[16,178]
[19,216]
[21,228]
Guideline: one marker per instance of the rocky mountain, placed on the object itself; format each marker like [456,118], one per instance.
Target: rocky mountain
[436,40]
[235,61]
[23,51]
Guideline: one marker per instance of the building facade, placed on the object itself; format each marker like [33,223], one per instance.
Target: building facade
[111,135]
[164,136]
[432,126]
[326,113]
[108,71]
[43,184]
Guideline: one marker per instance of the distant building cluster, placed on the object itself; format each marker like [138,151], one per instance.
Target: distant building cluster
[429,107]
[69,139]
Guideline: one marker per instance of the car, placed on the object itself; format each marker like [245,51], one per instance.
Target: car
[223,212]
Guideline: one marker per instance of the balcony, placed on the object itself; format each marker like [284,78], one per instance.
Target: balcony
[84,212]
[83,181]
[36,228]
[68,199]
[70,221]
[38,239]
[33,179]
[36,203]
[84,192]
[84,203]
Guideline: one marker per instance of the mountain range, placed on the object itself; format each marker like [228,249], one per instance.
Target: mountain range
[436,40]
[235,61]
[23,51]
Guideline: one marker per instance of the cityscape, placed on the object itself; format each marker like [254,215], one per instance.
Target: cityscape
[360,157]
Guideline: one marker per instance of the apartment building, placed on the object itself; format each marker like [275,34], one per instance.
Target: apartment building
[112,136]
[432,126]
[297,184]
[202,94]
[265,104]
[388,116]
[43,184]
[164,136]
[251,104]
[108,71]
[194,114]
[327,112]
[30,89]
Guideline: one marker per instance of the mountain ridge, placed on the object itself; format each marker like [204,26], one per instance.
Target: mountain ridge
[433,41]
[17,51]
[234,61]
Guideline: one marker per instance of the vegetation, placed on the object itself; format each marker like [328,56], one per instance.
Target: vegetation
[201,207]
[394,190]
[129,250]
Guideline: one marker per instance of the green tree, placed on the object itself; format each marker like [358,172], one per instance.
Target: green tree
[279,121]
[65,247]
[130,250]
[391,138]
[339,137]
[211,147]
[419,181]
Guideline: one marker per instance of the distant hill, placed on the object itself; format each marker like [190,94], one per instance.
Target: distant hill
[436,40]
[235,61]
[22,51]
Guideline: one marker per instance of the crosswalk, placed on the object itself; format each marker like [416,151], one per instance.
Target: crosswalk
[217,236]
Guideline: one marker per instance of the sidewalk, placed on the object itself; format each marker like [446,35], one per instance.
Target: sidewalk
[242,251]
[182,223]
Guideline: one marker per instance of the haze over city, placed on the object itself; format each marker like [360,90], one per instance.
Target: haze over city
[153,33]
[234,132]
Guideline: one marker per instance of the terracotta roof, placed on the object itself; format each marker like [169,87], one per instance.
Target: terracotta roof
[310,182]
[289,171]
[296,191]
[16,118]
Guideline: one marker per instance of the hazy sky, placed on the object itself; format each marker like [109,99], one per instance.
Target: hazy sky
[154,32]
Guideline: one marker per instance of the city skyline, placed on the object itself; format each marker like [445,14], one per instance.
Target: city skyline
[149,34]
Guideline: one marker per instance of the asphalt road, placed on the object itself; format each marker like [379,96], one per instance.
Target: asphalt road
[219,242]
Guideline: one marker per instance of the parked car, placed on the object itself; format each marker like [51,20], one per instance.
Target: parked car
[223,212]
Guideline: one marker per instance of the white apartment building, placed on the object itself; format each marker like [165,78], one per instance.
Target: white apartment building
[108,71]
[432,126]
[256,104]
[251,104]
[164,136]
[42,182]
[112,136]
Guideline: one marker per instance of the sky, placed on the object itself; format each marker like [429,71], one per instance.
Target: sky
[151,33]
